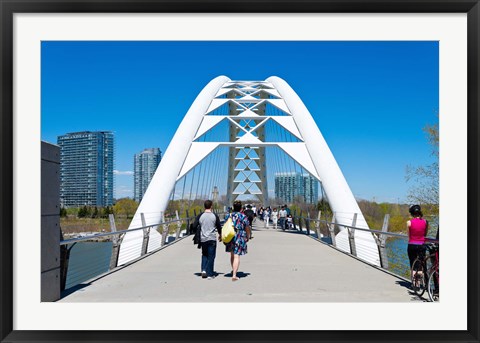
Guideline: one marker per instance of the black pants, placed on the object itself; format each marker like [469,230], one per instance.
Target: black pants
[415,250]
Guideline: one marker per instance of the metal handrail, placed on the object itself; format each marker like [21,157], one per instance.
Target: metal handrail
[80,239]
[379,236]
[400,235]
[87,272]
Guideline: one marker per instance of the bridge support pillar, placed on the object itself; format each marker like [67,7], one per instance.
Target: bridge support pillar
[50,222]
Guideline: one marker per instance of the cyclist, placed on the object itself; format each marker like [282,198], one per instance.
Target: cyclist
[417,228]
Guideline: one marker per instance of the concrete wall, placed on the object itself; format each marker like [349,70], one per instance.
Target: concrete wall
[50,241]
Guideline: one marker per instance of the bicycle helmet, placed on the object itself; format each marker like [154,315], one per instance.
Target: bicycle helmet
[415,210]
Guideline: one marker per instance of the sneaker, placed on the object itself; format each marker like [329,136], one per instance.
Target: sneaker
[204,274]
[210,277]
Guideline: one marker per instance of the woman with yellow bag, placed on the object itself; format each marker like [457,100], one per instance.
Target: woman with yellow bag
[238,245]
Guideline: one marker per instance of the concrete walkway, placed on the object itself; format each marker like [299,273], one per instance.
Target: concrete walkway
[279,267]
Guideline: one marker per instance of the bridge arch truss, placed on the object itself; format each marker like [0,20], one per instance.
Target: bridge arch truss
[239,128]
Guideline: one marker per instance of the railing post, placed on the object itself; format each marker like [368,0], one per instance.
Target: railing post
[189,232]
[116,242]
[146,235]
[300,221]
[381,243]
[307,224]
[164,230]
[66,255]
[179,225]
[317,225]
[351,236]
[331,229]
[64,259]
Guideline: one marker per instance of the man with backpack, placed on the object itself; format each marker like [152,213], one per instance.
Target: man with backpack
[209,225]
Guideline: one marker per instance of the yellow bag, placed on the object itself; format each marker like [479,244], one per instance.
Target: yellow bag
[228,232]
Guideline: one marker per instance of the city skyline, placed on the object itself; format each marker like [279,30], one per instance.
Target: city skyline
[369,99]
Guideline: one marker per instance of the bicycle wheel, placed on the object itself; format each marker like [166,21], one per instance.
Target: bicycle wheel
[418,277]
[429,263]
[433,286]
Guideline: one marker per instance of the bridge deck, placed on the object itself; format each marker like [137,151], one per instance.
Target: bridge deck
[279,267]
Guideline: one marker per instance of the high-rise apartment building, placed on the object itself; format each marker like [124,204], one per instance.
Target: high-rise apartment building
[292,184]
[145,165]
[86,168]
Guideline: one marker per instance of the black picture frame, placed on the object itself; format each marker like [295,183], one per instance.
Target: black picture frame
[10,7]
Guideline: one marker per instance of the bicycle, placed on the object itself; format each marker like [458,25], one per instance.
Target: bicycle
[433,283]
[422,267]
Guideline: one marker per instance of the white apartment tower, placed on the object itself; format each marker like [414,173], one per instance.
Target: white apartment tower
[145,165]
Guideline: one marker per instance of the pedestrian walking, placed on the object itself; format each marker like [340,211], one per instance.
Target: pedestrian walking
[238,245]
[283,217]
[209,224]
[250,216]
[274,217]
[266,216]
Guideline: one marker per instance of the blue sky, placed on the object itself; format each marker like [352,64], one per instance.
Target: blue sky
[369,99]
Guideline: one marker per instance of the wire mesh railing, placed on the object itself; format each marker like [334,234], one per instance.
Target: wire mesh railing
[88,256]
[390,248]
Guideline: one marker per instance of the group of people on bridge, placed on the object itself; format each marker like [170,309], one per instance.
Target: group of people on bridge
[208,225]
[211,230]
[279,218]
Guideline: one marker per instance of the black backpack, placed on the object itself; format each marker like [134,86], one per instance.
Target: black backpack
[196,230]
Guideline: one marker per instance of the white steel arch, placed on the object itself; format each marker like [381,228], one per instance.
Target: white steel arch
[310,151]
[156,197]
[338,192]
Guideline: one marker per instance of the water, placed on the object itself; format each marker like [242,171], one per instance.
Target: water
[397,256]
[87,260]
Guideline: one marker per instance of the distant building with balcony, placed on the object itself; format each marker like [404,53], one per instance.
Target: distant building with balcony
[145,165]
[290,185]
[86,168]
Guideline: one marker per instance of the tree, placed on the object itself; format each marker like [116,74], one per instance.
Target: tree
[324,206]
[126,207]
[63,212]
[425,179]
[106,211]
[374,214]
[82,212]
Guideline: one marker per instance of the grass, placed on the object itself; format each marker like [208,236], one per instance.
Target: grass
[77,225]
[72,224]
